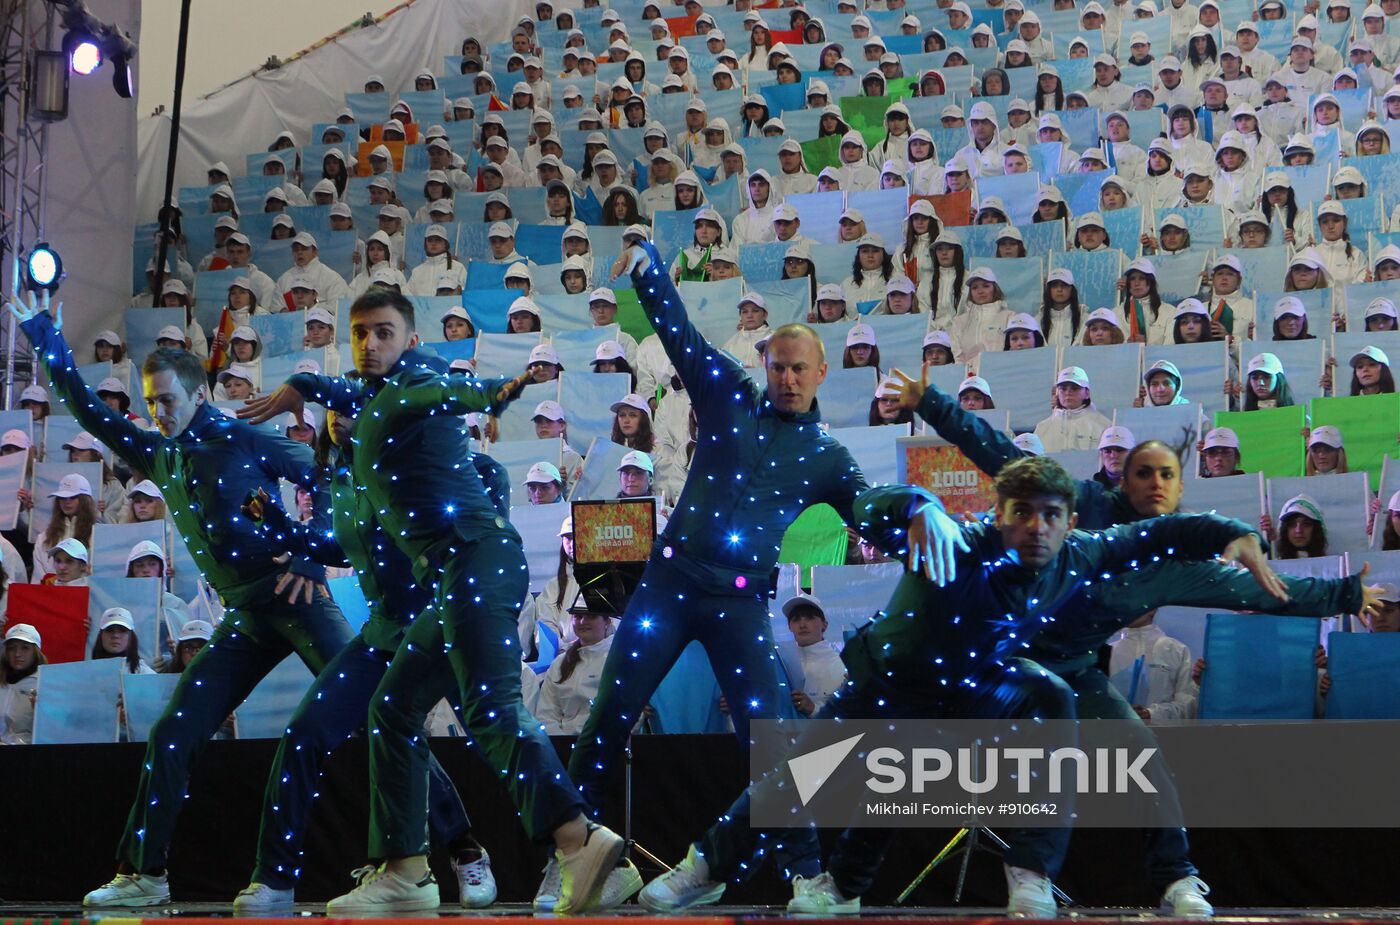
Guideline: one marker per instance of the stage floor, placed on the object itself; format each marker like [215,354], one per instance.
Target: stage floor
[195,913]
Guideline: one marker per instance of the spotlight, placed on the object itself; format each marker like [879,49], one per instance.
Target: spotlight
[84,52]
[43,269]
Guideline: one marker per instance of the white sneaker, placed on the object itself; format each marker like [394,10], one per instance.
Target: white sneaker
[548,893]
[131,890]
[624,881]
[1031,894]
[476,882]
[582,874]
[379,891]
[259,897]
[1186,899]
[685,885]
[819,896]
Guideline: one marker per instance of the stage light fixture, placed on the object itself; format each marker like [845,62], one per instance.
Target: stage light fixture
[43,269]
[84,52]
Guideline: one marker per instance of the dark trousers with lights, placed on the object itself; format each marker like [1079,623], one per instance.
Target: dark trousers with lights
[472,629]
[332,711]
[667,612]
[1026,690]
[1168,855]
[249,642]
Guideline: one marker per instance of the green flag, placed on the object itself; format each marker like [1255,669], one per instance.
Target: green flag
[1369,425]
[820,153]
[1271,439]
[816,537]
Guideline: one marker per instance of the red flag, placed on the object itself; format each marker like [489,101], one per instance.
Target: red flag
[60,614]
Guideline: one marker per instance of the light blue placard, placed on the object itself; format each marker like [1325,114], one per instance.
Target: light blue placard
[46,478]
[1359,295]
[265,713]
[819,213]
[1204,369]
[60,429]
[1179,275]
[1346,345]
[1302,362]
[350,598]
[141,327]
[788,299]
[185,583]
[517,456]
[1343,499]
[1317,303]
[1045,159]
[577,348]
[1205,224]
[599,480]
[112,543]
[1124,227]
[1259,667]
[1095,275]
[140,596]
[711,307]
[884,212]
[559,312]
[1018,191]
[873,449]
[1310,182]
[13,469]
[587,398]
[1020,278]
[503,354]
[368,108]
[1178,426]
[672,231]
[1365,670]
[77,702]
[517,422]
[539,532]
[688,699]
[833,261]
[1263,266]
[1021,381]
[1114,373]
[844,398]
[900,338]
[1081,190]
[852,594]
[540,243]
[144,697]
[1081,464]
[282,333]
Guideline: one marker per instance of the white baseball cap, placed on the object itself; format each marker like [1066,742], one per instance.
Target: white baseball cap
[550,410]
[975,382]
[321,315]
[71,486]
[24,632]
[1117,436]
[236,371]
[145,487]
[83,440]
[195,629]
[542,473]
[860,334]
[1029,443]
[112,384]
[523,304]
[170,332]
[117,616]
[1222,437]
[1265,363]
[802,599]
[34,393]
[1073,375]
[631,400]
[1327,435]
[608,351]
[636,459]
[74,547]
[16,437]
[1302,504]
[544,353]
[1370,352]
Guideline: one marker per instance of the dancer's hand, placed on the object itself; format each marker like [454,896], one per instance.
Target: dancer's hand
[1370,598]
[1247,552]
[299,588]
[256,504]
[911,391]
[22,311]
[934,539]
[631,261]
[282,400]
[513,388]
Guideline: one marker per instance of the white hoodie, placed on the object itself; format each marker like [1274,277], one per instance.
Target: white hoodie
[423,280]
[563,704]
[1077,429]
[1165,687]
[979,327]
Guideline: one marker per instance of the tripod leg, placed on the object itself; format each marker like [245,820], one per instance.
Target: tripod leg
[972,845]
[938,858]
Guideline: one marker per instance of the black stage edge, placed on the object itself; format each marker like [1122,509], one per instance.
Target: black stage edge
[64,807]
